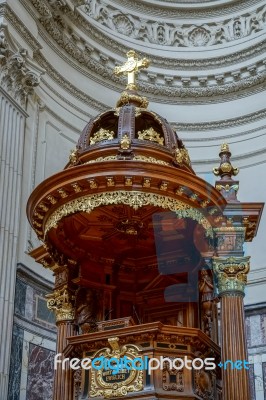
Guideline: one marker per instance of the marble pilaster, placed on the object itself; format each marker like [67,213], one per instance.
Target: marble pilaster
[18,77]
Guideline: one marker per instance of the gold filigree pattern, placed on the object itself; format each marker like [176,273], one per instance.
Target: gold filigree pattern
[100,159]
[231,273]
[151,160]
[62,303]
[152,135]
[107,384]
[133,199]
[182,156]
[73,157]
[100,135]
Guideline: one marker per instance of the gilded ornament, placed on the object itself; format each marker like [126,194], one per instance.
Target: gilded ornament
[131,68]
[43,207]
[134,199]
[76,187]
[225,147]
[151,160]
[73,157]
[62,193]
[125,142]
[100,135]
[225,168]
[62,303]
[93,184]
[100,159]
[40,216]
[102,381]
[164,186]
[35,223]
[152,135]
[146,182]
[110,182]
[194,197]
[44,263]
[231,274]
[52,199]
[182,156]
[180,191]
[205,203]
[127,98]
[128,181]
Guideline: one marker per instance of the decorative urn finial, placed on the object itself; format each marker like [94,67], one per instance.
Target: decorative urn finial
[227,186]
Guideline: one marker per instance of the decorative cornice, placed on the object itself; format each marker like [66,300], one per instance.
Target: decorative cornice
[231,274]
[162,33]
[165,63]
[208,63]
[178,87]
[183,86]
[228,123]
[178,11]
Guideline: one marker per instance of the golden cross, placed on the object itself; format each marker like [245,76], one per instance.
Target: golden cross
[131,67]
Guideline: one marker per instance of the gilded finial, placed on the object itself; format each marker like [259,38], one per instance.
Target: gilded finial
[131,68]
[225,147]
[227,186]
[225,170]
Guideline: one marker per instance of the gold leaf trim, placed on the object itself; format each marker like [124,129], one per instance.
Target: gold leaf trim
[133,199]
[152,135]
[102,134]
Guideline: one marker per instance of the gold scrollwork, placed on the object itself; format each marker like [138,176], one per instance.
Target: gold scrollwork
[182,156]
[100,159]
[151,160]
[73,157]
[231,273]
[101,134]
[62,303]
[108,384]
[133,199]
[152,135]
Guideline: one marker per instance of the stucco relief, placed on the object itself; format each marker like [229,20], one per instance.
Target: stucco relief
[173,34]
[18,74]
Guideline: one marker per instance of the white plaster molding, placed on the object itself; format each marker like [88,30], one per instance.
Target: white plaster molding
[171,33]
[18,74]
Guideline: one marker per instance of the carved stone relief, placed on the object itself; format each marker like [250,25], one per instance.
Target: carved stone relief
[17,76]
[172,34]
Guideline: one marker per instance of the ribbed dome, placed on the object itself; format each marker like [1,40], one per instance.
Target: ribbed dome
[128,132]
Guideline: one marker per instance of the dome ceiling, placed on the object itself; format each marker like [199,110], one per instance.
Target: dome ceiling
[199,52]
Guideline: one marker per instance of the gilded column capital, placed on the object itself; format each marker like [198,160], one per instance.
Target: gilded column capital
[231,274]
[61,301]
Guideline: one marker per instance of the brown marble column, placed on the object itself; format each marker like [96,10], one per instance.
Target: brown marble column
[231,274]
[62,302]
